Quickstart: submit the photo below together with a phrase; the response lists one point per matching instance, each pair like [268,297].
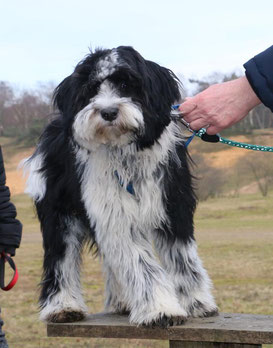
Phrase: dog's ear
[69,96]
[163,84]
[162,90]
[62,94]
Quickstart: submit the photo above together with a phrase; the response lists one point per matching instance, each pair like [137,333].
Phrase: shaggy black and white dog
[111,168]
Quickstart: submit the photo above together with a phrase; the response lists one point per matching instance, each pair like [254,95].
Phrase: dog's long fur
[113,131]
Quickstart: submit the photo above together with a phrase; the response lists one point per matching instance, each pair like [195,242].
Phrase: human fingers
[187,107]
[198,124]
[211,130]
[191,116]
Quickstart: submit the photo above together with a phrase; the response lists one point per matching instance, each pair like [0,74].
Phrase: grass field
[235,239]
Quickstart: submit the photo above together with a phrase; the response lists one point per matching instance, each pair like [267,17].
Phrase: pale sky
[44,40]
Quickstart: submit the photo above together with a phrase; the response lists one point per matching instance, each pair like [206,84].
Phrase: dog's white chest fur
[107,172]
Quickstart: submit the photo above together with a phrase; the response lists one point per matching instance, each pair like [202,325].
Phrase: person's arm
[259,72]
[10,227]
[222,105]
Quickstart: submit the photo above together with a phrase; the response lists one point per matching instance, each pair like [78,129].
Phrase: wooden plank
[183,344]
[229,328]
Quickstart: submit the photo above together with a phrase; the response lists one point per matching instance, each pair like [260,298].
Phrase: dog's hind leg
[192,283]
[61,296]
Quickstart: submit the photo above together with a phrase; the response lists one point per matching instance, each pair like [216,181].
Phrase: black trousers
[3,342]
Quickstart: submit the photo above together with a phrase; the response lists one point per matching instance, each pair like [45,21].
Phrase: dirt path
[15,179]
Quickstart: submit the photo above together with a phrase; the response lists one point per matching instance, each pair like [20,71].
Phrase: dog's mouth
[113,133]
[123,129]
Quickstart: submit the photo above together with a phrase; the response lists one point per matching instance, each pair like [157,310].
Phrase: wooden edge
[230,328]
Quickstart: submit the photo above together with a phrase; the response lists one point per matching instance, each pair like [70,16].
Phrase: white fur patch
[36,182]
[107,66]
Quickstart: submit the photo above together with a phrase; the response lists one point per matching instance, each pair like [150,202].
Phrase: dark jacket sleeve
[259,72]
[10,227]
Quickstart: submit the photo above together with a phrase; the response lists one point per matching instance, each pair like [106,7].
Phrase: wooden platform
[235,330]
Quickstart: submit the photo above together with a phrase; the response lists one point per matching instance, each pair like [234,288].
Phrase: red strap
[14,279]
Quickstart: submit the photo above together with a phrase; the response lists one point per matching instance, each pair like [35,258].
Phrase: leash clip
[178,116]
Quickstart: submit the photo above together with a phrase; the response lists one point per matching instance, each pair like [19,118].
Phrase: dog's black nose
[109,114]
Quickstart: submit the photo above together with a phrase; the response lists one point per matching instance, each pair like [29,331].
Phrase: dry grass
[235,238]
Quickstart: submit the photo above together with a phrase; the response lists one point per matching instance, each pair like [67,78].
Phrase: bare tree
[6,99]
[29,107]
[260,165]
[209,180]
[24,113]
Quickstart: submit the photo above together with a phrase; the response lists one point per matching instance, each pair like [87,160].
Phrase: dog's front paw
[164,321]
[65,316]
[59,311]
[199,309]
[159,319]
[118,308]
[209,313]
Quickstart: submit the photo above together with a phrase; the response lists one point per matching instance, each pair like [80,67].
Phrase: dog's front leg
[61,296]
[146,291]
[113,292]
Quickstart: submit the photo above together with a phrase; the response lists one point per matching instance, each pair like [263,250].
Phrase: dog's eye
[123,85]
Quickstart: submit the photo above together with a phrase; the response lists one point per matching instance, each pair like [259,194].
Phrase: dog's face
[116,97]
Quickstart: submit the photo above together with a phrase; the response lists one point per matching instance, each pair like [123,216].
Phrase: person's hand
[5,254]
[220,105]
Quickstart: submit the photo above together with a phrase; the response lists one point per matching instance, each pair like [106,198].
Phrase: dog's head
[116,97]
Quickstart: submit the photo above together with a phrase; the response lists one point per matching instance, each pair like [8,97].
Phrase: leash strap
[187,143]
[246,146]
[202,134]
[14,279]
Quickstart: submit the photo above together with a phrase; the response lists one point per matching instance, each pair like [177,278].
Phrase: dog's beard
[90,129]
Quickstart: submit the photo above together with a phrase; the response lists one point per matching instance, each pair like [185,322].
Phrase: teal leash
[216,137]
[238,144]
